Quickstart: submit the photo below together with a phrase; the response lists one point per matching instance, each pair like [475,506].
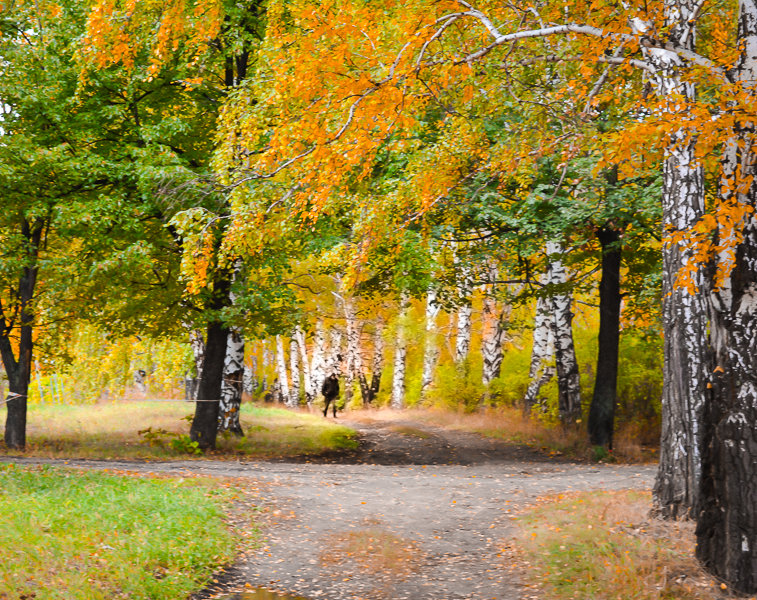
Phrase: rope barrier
[12,396]
[166,400]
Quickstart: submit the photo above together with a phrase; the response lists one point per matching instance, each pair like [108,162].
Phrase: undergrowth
[604,546]
[159,430]
[512,425]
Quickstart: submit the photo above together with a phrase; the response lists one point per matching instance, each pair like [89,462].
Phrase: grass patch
[604,546]
[92,536]
[111,431]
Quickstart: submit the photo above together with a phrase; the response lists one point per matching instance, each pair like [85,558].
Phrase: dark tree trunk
[19,370]
[727,515]
[365,389]
[205,423]
[727,507]
[602,410]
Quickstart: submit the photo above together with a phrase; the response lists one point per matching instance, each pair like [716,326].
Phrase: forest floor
[418,511]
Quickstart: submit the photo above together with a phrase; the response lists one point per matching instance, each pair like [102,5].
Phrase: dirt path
[417,512]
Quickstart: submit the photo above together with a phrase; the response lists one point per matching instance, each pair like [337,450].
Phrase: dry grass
[511,425]
[372,550]
[112,431]
[604,546]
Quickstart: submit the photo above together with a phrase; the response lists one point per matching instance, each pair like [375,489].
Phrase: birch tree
[294,368]
[684,313]
[400,355]
[430,348]
[318,366]
[541,369]
[493,337]
[281,371]
[566,365]
[377,364]
[309,385]
[232,386]
[353,361]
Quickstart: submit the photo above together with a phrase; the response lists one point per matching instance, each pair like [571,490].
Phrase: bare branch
[639,64]
[450,20]
[602,80]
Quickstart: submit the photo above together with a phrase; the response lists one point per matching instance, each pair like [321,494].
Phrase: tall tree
[430,348]
[602,409]
[566,365]
[400,356]
[727,515]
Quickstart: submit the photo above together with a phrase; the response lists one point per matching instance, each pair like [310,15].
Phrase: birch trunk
[542,353]
[266,364]
[727,516]
[493,332]
[493,338]
[293,400]
[354,360]
[249,382]
[197,345]
[318,364]
[462,342]
[377,363]
[566,365]
[431,348]
[684,315]
[281,371]
[309,386]
[400,353]
[335,356]
[231,387]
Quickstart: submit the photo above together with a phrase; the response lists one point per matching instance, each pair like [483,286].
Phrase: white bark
[231,385]
[281,371]
[378,360]
[310,387]
[293,399]
[684,314]
[464,322]
[335,354]
[318,372]
[494,334]
[354,360]
[542,352]
[197,344]
[566,365]
[400,353]
[266,363]
[249,381]
[431,348]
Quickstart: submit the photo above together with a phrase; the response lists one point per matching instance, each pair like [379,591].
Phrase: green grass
[604,546]
[90,536]
[112,431]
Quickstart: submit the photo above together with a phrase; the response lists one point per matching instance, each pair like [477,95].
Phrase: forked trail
[418,512]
